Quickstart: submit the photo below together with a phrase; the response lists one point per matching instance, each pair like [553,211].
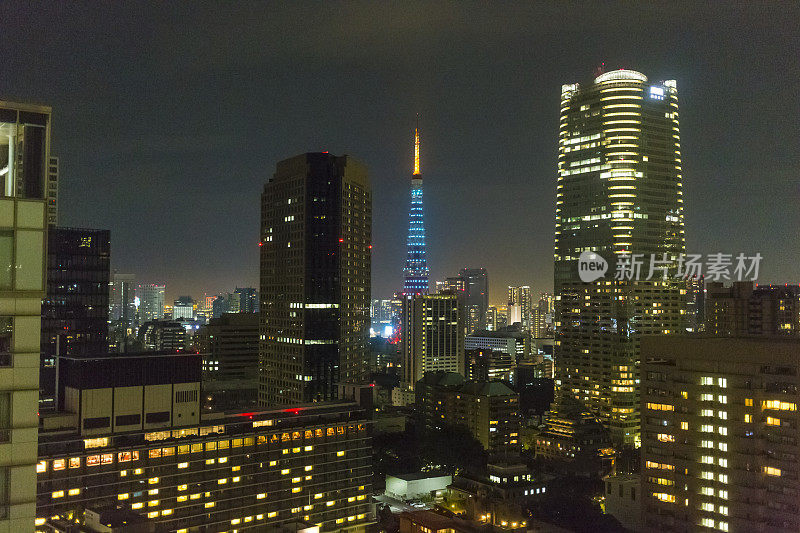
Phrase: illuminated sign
[657,93]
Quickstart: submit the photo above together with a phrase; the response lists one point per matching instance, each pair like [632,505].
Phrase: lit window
[748,418]
[152,492]
[684,426]
[309,468]
[152,514]
[768,470]
[123,496]
[152,480]
[183,465]
[41,466]
[152,503]
[297,489]
[748,402]
[58,494]
[182,487]
[317,496]
[166,512]
[223,459]
[771,421]
[59,464]
[137,505]
[273,514]
[208,505]
[339,454]
[261,496]
[182,498]
[285,471]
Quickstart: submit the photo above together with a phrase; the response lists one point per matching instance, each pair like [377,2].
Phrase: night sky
[169,118]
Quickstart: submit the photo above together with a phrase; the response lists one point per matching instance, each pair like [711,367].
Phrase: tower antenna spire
[416,148]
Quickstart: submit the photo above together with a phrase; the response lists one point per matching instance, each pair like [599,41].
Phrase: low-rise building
[134,439]
[490,410]
[416,485]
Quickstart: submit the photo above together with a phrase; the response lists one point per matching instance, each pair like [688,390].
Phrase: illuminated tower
[416,270]
[619,192]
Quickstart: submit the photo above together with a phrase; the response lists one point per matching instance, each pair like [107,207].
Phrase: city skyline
[488,118]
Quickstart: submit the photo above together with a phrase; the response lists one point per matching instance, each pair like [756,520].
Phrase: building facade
[161,460]
[619,193]
[183,308]
[75,308]
[229,347]
[316,219]
[744,308]
[151,301]
[24,154]
[248,299]
[490,410]
[121,309]
[432,336]
[720,434]
[519,298]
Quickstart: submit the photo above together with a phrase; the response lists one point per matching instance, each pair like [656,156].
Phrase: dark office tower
[416,270]
[75,307]
[316,217]
[229,347]
[248,299]
[619,193]
[121,310]
[476,298]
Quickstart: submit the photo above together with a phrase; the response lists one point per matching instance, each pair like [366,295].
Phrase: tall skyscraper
[248,299]
[521,297]
[416,270]
[619,192]
[75,307]
[24,154]
[151,301]
[476,298]
[432,337]
[316,219]
[121,309]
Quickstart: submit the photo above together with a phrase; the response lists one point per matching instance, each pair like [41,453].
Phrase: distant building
[490,410]
[183,308]
[432,336]
[381,317]
[229,347]
[743,309]
[75,308]
[151,301]
[512,341]
[316,220]
[520,299]
[720,433]
[418,485]
[248,299]
[122,309]
[163,335]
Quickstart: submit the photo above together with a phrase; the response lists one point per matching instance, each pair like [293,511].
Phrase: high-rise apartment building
[619,193]
[520,299]
[316,218]
[720,434]
[416,269]
[75,307]
[432,337]
[745,309]
[24,155]
[151,301]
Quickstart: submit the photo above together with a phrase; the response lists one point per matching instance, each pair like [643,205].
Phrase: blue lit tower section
[416,270]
